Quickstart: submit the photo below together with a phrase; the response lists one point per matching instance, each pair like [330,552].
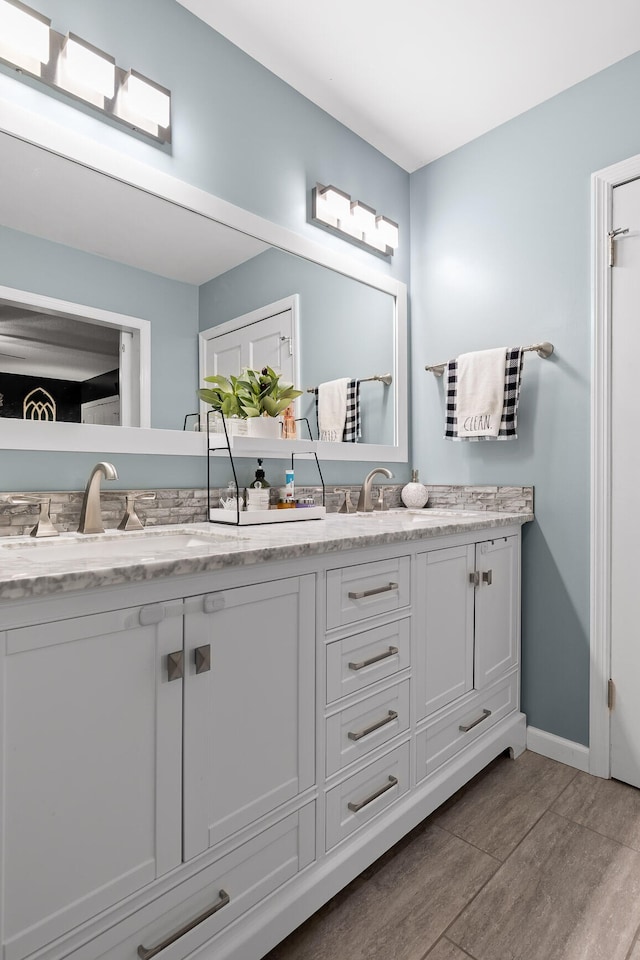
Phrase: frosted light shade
[145,100]
[23,34]
[333,205]
[387,230]
[88,67]
[363,217]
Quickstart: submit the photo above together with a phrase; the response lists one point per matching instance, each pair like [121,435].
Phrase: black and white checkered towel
[353,424]
[512,380]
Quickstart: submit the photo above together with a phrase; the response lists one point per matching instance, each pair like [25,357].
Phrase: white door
[91,755]
[245,755]
[496,612]
[260,339]
[625,476]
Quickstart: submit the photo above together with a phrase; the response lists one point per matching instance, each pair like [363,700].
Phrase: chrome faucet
[91,514]
[364,500]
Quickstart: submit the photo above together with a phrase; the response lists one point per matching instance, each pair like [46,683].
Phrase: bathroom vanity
[205,739]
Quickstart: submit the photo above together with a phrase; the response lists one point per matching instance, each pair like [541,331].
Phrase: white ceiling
[418,78]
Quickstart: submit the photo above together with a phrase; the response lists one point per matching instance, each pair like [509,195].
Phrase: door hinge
[611,694]
[612,250]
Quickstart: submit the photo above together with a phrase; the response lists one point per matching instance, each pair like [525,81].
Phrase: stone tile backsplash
[176,506]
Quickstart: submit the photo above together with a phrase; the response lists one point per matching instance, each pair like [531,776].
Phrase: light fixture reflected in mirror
[336,209]
[77,68]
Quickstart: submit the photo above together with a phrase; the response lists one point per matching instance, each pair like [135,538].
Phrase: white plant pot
[266,428]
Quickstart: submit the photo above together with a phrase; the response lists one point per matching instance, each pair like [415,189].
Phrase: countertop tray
[252,517]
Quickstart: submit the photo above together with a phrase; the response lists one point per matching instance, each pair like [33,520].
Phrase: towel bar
[543,349]
[385,378]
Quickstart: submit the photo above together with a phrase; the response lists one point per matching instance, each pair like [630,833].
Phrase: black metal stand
[227,447]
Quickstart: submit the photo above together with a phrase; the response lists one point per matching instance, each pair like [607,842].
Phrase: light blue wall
[238,132]
[500,255]
[346,327]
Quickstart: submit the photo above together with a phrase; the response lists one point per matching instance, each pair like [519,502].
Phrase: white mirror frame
[19,122]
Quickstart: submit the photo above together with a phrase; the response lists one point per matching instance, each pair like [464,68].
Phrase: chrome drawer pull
[391,715]
[474,723]
[487,577]
[355,807]
[145,953]
[360,664]
[175,665]
[359,594]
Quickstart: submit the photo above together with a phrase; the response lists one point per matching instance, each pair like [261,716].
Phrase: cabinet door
[92,767]
[497,609]
[249,711]
[444,627]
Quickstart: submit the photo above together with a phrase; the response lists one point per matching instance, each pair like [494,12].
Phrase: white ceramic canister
[414,495]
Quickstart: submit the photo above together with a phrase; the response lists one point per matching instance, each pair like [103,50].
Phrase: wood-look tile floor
[532,860]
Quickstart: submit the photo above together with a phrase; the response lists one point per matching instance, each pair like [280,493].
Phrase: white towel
[480,393]
[332,408]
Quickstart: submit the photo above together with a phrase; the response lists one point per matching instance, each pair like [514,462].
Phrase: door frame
[602,185]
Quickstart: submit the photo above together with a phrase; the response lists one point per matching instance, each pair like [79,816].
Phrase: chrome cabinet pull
[145,953]
[202,657]
[465,727]
[391,715]
[355,807]
[175,665]
[360,664]
[487,577]
[359,594]
[474,578]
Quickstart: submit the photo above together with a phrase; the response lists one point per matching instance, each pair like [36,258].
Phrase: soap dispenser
[414,495]
[260,481]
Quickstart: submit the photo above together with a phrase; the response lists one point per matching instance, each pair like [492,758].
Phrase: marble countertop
[71,562]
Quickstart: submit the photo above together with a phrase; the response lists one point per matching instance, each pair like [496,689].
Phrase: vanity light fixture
[77,68]
[24,37]
[336,209]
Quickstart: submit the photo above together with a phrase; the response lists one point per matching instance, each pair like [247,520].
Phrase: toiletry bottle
[260,479]
[289,424]
[289,485]
[414,494]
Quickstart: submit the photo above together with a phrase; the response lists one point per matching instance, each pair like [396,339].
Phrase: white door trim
[602,184]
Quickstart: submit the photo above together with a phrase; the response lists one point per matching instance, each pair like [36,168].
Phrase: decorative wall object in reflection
[80,70]
[39,405]
[337,210]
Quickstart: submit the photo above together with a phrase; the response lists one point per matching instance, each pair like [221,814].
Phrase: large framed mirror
[99,247]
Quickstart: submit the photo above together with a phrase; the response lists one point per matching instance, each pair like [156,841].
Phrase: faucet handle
[131,520]
[44,527]
[347,506]
[380,504]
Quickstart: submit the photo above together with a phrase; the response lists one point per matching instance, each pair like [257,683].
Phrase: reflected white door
[625,477]
[265,342]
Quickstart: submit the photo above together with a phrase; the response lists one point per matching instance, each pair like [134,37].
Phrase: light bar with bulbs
[82,71]
[334,208]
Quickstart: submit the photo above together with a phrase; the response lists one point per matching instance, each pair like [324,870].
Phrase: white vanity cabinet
[136,739]
[198,773]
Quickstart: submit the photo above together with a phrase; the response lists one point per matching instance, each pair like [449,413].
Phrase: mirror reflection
[70,232]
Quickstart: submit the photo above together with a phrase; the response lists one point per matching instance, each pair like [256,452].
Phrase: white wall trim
[557,748]
[602,184]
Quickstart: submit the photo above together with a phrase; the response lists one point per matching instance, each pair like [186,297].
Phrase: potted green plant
[256,396]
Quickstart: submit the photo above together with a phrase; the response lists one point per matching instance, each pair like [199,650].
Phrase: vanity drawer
[367,589]
[355,801]
[360,660]
[228,888]
[357,730]
[447,736]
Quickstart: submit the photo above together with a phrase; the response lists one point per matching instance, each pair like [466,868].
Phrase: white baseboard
[557,748]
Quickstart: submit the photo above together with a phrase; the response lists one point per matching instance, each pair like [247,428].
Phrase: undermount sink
[145,546]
